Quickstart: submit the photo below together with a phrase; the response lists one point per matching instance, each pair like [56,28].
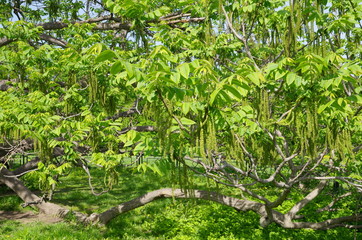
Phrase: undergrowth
[162,219]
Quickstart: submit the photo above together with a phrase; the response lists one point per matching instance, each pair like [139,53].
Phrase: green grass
[13,230]
[162,219]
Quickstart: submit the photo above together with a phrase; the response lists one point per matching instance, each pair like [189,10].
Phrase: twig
[77,114]
[32,202]
[240,37]
[21,174]
[53,40]
[328,207]
[182,127]
[86,169]
[307,164]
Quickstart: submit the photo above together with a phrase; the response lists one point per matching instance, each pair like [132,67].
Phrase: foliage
[251,94]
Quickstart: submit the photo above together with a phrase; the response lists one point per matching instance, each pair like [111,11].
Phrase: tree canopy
[256,95]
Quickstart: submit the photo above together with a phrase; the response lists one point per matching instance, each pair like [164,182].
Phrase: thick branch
[351,181]
[28,197]
[61,25]
[31,165]
[280,200]
[137,129]
[6,84]
[113,26]
[53,40]
[186,20]
[174,16]
[313,194]
[6,41]
[240,205]
[356,149]
[331,223]
[237,204]
[127,113]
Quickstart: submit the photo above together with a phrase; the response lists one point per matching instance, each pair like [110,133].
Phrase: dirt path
[27,217]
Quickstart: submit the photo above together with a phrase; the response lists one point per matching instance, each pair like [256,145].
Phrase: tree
[260,96]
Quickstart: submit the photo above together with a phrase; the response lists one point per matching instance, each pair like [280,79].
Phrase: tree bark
[31,165]
[10,180]
[240,205]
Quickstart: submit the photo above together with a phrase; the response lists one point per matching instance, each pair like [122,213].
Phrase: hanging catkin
[211,144]
[343,143]
[262,105]
[93,87]
[311,131]
[202,144]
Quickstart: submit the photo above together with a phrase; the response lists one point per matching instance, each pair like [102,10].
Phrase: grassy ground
[162,219]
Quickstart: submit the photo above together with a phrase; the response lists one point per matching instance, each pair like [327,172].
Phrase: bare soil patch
[28,217]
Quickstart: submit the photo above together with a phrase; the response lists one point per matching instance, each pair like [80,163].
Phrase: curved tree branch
[6,41]
[237,204]
[240,205]
[137,129]
[53,40]
[28,197]
[29,166]
[297,207]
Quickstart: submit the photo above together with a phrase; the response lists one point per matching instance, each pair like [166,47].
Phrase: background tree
[260,96]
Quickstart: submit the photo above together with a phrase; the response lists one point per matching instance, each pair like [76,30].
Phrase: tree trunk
[10,180]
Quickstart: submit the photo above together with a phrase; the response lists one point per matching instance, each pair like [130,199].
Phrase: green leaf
[214,95]
[41,165]
[187,121]
[271,66]
[51,181]
[117,8]
[233,91]
[254,78]
[225,96]
[116,67]
[180,93]
[291,78]
[298,81]
[324,106]
[184,69]
[129,69]
[86,112]
[355,98]
[105,55]
[175,77]
[340,101]
[186,107]
[280,74]
[57,131]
